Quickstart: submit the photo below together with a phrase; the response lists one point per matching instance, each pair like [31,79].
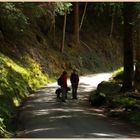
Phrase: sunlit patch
[61,117]
[28,106]
[40,129]
[40,112]
[107,135]
[93,113]
[90,81]
[66,110]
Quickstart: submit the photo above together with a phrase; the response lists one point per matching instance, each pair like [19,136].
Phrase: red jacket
[64,81]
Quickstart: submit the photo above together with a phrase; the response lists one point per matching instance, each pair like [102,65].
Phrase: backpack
[60,81]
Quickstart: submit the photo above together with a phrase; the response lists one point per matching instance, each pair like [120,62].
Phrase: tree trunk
[64,29]
[128,47]
[112,22]
[137,46]
[83,16]
[54,28]
[76,23]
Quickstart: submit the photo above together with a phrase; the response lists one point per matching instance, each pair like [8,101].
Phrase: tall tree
[63,8]
[64,29]
[128,12]
[137,44]
[112,21]
[76,23]
[81,23]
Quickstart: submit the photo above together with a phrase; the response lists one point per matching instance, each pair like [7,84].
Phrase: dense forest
[40,40]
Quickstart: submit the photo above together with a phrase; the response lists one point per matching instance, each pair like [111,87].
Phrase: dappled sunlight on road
[90,82]
[44,116]
[107,135]
[95,79]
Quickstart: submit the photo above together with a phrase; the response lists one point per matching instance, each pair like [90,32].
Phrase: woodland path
[43,116]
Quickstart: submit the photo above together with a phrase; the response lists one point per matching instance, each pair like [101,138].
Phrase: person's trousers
[64,93]
[74,91]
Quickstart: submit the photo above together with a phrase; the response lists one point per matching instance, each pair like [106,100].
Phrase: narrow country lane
[43,116]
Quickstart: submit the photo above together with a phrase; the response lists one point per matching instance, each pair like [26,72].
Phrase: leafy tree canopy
[61,7]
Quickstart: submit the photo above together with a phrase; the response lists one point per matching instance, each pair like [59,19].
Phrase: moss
[118,74]
[123,102]
[107,86]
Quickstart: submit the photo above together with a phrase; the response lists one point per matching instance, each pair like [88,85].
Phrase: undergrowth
[16,81]
[119,104]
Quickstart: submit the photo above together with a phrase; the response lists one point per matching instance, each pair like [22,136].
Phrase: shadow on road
[44,116]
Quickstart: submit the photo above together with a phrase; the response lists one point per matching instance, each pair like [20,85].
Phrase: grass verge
[17,80]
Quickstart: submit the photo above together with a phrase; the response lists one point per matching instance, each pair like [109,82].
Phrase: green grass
[16,78]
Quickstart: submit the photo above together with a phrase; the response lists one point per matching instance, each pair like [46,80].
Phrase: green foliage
[62,7]
[137,6]
[118,74]
[120,101]
[106,88]
[100,8]
[7,112]
[15,81]
[12,19]
[112,91]
[3,132]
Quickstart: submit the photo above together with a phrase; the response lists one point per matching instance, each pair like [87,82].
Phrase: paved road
[43,116]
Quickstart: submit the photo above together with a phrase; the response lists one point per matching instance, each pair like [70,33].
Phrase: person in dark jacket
[74,78]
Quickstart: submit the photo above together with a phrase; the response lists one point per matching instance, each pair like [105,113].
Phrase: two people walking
[62,81]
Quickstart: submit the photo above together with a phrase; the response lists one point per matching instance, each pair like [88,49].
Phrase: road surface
[43,116]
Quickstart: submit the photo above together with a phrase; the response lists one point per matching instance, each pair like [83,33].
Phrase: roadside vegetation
[118,104]
[18,80]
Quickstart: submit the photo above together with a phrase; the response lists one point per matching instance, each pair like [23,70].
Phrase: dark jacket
[74,78]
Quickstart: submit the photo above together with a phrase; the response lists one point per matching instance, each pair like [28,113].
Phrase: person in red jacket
[74,78]
[64,86]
